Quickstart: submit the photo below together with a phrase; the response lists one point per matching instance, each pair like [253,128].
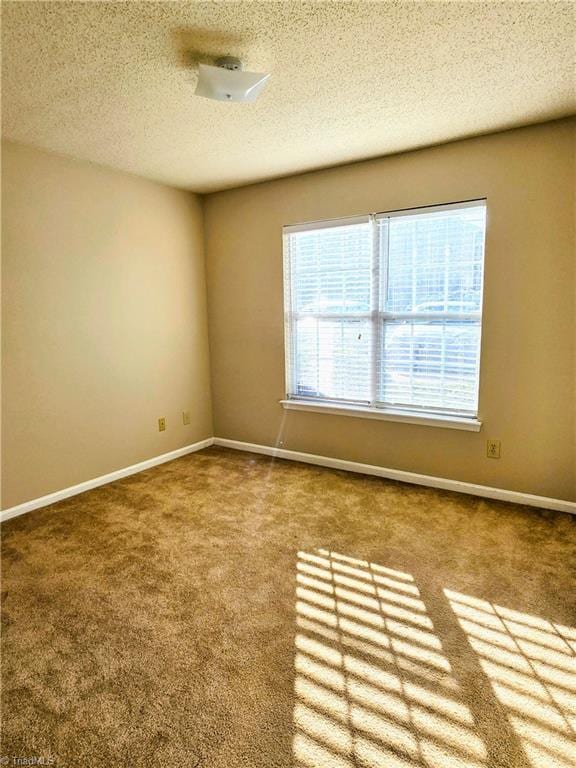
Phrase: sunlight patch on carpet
[373,685]
[531,664]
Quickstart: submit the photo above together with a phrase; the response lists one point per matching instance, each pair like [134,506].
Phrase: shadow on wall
[374,686]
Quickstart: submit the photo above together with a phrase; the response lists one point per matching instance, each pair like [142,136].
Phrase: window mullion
[374,309]
[382,256]
[374,283]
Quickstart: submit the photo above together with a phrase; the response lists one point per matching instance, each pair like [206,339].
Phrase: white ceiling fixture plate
[228,82]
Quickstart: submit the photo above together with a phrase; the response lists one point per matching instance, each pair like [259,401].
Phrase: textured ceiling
[113,82]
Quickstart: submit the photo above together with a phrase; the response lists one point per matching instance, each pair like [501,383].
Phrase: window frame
[428,415]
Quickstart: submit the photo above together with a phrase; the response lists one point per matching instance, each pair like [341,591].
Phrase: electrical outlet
[161,424]
[186,417]
[493,449]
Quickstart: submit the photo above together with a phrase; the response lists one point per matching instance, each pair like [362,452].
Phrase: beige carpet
[230,610]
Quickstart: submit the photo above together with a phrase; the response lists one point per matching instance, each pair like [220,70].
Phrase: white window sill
[364,412]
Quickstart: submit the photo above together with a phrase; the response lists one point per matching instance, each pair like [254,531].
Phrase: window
[383,312]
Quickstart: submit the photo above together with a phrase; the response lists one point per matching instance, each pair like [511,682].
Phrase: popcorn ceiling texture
[113,82]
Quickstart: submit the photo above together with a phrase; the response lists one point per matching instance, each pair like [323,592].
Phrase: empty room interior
[288,384]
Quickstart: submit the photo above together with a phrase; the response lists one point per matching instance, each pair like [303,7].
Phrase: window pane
[332,358]
[331,269]
[430,364]
[435,261]
[423,299]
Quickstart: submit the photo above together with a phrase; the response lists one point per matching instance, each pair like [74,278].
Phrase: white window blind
[385,310]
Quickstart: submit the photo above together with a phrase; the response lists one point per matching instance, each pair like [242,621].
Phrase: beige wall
[104,322]
[527,389]
[104,317]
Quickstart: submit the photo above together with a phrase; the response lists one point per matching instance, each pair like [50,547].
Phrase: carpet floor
[228,610]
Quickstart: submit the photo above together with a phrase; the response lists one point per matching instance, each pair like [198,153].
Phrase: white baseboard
[73,490]
[406,477]
[307,458]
